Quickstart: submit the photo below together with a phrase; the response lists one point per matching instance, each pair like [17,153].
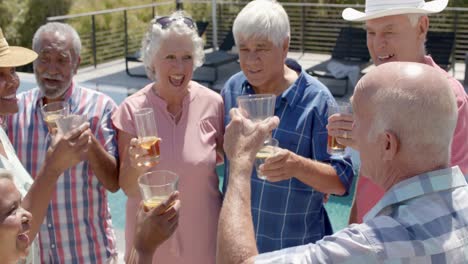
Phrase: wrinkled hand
[281,166]
[155,226]
[341,127]
[243,138]
[139,156]
[68,150]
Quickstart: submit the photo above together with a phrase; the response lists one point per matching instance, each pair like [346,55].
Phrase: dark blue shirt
[290,213]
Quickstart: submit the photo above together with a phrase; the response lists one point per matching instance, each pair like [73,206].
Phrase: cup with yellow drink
[51,112]
[155,188]
[147,134]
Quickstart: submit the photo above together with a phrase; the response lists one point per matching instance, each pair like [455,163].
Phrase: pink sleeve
[122,118]
[367,195]
[220,133]
[460,143]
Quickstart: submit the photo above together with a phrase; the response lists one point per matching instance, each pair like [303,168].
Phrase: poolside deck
[112,75]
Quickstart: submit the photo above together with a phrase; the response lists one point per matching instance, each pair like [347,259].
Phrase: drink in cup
[157,186]
[333,147]
[269,149]
[147,134]
[52,112]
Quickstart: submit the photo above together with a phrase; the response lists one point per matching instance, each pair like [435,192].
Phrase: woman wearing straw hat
[17,243]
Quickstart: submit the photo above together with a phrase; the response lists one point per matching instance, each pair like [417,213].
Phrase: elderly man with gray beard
[77,227]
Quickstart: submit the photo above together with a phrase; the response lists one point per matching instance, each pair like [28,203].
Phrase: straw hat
[381,8]
[14,56]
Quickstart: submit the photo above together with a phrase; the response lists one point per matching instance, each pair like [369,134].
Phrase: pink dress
[188,149]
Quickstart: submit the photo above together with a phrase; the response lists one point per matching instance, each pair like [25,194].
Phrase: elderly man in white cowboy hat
[396,31]
[423,216]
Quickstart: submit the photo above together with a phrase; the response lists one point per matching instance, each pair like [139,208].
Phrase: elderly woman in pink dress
[189,120]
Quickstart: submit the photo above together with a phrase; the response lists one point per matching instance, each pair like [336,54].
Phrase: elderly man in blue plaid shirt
[404,117]
[287,208]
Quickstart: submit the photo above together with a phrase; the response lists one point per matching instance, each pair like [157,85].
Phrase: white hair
[423,114]
[61,28]
[414,18]
[156,35]
[264,19]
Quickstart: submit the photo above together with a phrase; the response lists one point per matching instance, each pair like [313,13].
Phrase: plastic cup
[147,134]
[70,122]
[270,147]
[257,107]
[53,111]
[333,147]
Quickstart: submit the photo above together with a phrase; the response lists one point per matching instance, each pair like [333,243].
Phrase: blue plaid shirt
[291,213]
[423,219]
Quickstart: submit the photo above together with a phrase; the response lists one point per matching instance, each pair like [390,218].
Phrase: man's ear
[285,47]
[423,27]
[390,144]
[77,65]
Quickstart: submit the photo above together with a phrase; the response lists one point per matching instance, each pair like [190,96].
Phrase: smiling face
[14,223]
[173,63]
[261,61]
[56,64]
[393,38]
[9,83]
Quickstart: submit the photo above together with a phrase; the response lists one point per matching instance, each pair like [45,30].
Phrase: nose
[26,218]
[252,57]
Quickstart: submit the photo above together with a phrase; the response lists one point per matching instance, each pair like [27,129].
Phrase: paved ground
[112,75]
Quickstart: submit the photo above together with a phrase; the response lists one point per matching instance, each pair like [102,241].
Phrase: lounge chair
[215,59]
[350,50]
[440,45]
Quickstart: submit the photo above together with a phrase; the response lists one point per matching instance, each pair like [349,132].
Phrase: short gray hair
[264,19]
[423,114]
[156,34]
[63,29]
[414,18]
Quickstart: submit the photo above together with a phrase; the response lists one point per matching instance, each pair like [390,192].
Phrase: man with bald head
[405,115]
[396,31]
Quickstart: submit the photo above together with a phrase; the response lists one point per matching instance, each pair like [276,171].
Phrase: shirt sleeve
[349,245]
[342,165]
[122,118]
[105,132]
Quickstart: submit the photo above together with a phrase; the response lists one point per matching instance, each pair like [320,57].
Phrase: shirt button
[52,246]
[49,225]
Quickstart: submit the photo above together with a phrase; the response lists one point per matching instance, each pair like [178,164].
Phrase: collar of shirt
[430,182]
[67,96]
[291,95]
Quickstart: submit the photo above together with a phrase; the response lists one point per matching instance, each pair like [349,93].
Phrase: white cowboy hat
[381,8]
[12,56]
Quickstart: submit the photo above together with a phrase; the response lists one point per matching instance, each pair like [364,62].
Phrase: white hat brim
[436,6]
[17,56]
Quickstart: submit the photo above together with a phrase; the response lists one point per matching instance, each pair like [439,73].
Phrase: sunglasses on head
[166,21]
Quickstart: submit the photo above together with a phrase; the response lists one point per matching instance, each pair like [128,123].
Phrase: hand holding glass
[333,147]
[147,134]
[270,147]
[155,188]
[52,112]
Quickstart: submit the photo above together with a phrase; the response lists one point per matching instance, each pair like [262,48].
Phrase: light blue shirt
[423,219]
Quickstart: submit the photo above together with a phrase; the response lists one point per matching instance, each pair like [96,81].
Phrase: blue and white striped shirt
[291,213]
[423,219]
